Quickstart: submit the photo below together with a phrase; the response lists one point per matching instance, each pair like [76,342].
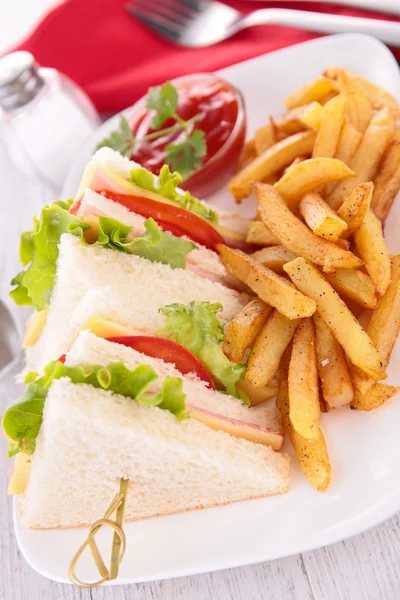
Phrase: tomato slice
[171,218]
[176,220]
[73,209]
[168,351]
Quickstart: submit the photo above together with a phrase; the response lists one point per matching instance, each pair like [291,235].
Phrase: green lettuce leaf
[27,244]
[166,186]
[22,420]
[197,328]
[20,293]
[39,249]
[12,449]
[155,244]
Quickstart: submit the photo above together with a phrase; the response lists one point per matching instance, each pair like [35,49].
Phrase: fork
[199,23]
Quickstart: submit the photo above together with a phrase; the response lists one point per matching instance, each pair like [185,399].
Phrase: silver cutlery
[199,23]
[384,6]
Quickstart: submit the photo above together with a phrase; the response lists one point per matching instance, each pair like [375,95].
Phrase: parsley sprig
[184,157]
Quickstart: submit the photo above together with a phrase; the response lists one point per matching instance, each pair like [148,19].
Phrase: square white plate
[364,447]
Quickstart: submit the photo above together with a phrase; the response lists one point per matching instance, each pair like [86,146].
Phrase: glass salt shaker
[44,118]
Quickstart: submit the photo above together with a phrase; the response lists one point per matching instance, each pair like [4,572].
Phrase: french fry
[359,108]
[264,138]
[296,161]
[384,324]
[387,182]
[354,307]
[271,179]
[378,96]
[248,153]
[313,115]
[268,349]
[345,244]
[308,175]
[242,331]
[372,248]
[258,233]
[274,257]
[323,405]
[328,97]
[270,287]
[377,395]
[355,285]
[311,454]
[308,116]
[349,140]
[320,218]
[330,127]
[270,161]
[258,395]
[304,411]
[345,327]
[355,206]
[296,236]
[291,122]
[332,72]
[310,92]
[366,159]
[383,327]
[333,371]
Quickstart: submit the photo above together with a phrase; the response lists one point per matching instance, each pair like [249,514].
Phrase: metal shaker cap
[20,80]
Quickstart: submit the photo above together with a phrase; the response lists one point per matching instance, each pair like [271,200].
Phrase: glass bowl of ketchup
[222,119]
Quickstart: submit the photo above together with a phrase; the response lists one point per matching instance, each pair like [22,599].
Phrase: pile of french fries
[321,330]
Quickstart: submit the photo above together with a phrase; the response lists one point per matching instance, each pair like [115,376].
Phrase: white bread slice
[140,288]
[261,423]
[90,438]
[202,259]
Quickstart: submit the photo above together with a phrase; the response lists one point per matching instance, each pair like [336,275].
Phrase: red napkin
[115,58]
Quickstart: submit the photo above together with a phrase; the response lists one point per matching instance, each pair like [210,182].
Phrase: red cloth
[115,58]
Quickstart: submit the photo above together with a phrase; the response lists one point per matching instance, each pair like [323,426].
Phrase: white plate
[364,447]
[384,6]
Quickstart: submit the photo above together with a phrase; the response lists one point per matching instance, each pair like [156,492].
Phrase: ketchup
[219,106]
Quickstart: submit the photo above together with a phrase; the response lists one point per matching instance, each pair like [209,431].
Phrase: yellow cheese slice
[34,327]
[20,477]
[104,328]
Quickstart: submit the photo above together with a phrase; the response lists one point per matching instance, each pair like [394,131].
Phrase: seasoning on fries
[325,175]
[296,236]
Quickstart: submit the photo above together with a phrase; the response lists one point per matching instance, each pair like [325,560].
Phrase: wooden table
[366,567]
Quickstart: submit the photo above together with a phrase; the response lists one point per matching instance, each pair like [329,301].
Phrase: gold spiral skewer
[118,543]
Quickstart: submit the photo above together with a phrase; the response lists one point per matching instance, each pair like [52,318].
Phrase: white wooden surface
[366,567]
